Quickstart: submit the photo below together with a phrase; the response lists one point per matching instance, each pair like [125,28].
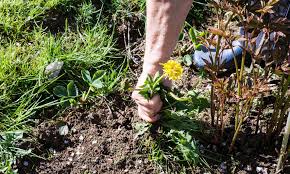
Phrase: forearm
[165,19]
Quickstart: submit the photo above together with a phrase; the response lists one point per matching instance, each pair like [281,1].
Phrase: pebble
[84,167]
[81,138]
[65,141]
[94,142]
[53,69]
[70,159]
[91,116]
[248,168]
[26,163]
[223,167]
[109,161]
[63,130]
[79,153]
[73,130]
[261,170]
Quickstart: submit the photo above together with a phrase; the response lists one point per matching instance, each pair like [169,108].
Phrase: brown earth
[100,140]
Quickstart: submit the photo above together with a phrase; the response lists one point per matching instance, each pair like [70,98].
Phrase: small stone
[65,141]
[109,161]
[63,130]
[79,153]
[73,130]
[126,170]
[53,69]
[223,167]
[248,168]
[91,116]
[70,159]
[72,154]
[26,163]
[81,138]
[94,142]
[84,166]
[261,170]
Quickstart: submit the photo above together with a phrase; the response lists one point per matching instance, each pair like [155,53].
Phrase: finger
[154,109]
[155,101]
[149,118]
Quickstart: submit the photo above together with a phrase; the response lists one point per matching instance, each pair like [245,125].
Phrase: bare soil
[100,140]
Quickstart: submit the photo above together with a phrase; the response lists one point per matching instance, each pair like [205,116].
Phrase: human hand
[148,109]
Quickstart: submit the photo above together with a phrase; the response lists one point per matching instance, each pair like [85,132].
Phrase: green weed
[28,47]
[174,143]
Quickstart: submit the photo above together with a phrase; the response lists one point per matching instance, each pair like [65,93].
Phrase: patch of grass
[128,9]
[17,15]
[26,50]
[24,63]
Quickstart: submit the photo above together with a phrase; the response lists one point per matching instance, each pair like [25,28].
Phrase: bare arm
[165,19]
[164,22]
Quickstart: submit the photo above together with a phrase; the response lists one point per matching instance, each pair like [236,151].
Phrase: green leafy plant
[9,151]
[70,92]
[95,83]
[151,86]
[194,34]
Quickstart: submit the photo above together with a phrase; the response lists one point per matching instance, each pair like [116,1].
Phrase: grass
[29,45]
[80,34]
[35,34]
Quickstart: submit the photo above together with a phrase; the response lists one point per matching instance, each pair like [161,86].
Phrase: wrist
[152,68]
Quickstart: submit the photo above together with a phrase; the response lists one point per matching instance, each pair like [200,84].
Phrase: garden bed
[79,129]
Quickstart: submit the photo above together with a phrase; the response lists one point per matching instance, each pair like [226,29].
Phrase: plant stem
[279,111]
[181,99]
[87,94]
[212,107]
[222,116]
[248,105]
[284,146]
[259,114]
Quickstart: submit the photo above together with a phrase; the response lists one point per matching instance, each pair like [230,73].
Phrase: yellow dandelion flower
[172,69]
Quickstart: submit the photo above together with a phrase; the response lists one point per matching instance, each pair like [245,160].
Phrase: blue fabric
[200,57]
